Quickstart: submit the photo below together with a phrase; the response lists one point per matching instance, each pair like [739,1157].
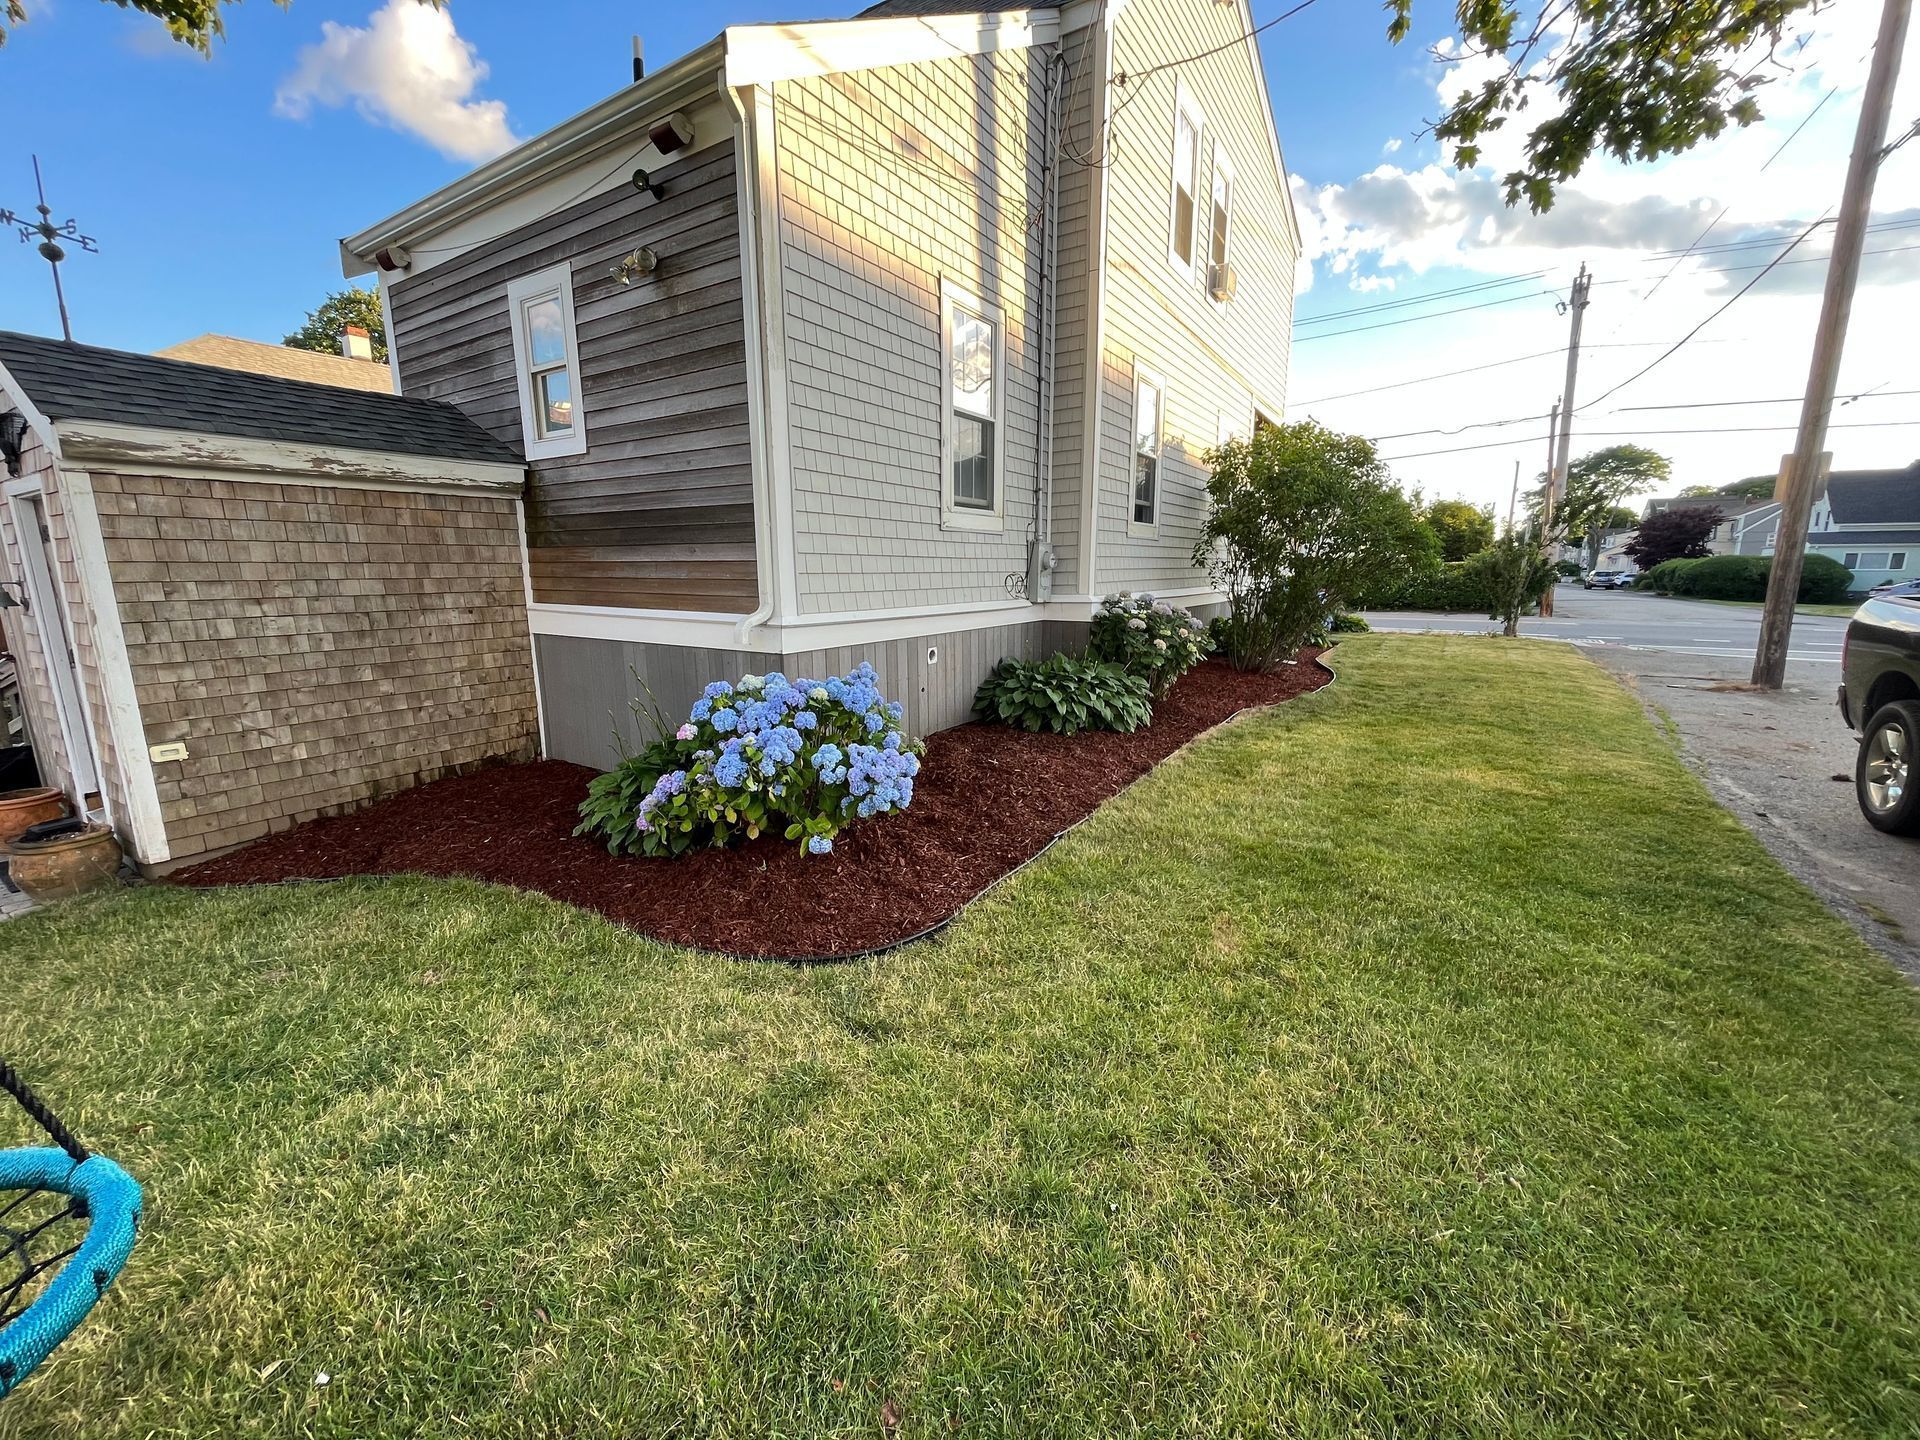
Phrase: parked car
[1609,580]
[1895,587]
[1880,697]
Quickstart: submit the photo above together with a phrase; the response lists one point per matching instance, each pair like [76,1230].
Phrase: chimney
[355,343]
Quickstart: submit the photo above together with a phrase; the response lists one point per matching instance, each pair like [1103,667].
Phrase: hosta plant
[1149,638]
[1065,694]
[806,757]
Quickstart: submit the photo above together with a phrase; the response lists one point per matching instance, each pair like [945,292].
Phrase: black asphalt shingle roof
[1876,497]
[1864,539]
[66,381]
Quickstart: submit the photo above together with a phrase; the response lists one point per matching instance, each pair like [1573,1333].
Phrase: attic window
[546,357]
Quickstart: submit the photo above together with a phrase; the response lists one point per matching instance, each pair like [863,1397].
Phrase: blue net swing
[67,1224]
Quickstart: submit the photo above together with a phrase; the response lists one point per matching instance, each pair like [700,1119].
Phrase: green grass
[1428,1057]
[1844,610]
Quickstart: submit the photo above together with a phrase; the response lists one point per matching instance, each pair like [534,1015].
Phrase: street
[1782,762]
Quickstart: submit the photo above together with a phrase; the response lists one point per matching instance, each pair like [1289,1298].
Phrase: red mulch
[987,799]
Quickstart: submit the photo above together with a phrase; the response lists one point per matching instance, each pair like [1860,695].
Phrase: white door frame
[27,500]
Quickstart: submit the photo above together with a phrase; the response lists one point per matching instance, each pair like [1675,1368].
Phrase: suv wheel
[1883,775]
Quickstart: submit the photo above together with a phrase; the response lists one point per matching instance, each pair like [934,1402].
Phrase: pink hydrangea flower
[685,732]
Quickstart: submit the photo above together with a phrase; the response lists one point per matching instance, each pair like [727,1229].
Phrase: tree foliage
[1697,492]
[1677,534]
[1301,518]
[1515,574]
[194,23]
[1636,79]
[1596,484]
[1754,487]
[1462,529]
[354,305]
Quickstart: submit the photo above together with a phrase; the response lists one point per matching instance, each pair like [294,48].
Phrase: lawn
[1844,609]
[1428,1056]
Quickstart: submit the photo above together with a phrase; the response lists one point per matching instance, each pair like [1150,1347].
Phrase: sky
[218,187]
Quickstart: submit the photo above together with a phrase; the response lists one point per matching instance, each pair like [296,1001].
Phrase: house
[241,601]
[1745,528]
[354,367]
[1869,520]
[901,338]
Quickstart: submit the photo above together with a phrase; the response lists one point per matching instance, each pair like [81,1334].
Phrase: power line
[1875,394]
[1436,315]
[1421,299]
[1490,365]
[1731,300]
[1703,430]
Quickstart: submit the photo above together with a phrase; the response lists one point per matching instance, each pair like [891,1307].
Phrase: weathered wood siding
[658,513]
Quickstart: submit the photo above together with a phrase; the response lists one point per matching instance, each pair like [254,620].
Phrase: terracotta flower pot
[21,808]
[65,865]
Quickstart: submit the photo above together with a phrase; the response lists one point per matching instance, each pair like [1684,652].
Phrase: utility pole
[1563,415]
[50,237]
[1843,270]
[1513,496]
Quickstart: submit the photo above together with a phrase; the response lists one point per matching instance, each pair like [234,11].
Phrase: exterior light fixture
[13,434]
[645,182]
[671,134]
[641,263]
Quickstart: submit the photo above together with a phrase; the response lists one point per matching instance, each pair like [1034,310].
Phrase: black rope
[42,1116]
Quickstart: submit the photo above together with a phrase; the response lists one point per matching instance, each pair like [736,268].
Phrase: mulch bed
[988,799]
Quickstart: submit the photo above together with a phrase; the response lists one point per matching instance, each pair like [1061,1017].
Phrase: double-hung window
[1222,216]
[547,360]
[973,336]
[1186,182]
[1149,417]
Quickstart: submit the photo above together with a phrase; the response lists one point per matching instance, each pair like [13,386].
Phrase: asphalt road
[1781,761]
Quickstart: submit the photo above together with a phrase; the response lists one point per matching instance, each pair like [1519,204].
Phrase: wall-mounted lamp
[10,601]
[645,182]
[637,265]
[13,436]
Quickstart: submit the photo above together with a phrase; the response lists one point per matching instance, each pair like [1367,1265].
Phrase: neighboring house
[1745,528]
[898,338]
[248,601]
[354,368]
[1869,520]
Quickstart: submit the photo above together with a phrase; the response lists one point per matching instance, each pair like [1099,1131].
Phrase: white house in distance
[898,338]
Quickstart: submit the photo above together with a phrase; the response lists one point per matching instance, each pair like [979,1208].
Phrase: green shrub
[1567,569]
[1823,580]
[612,807]
[1455,585]
[1065,694]
[1349,625]
[1149,638]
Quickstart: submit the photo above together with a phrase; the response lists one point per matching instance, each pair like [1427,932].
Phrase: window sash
[1149,417]
[547,359]
[1186,165]
[972,340]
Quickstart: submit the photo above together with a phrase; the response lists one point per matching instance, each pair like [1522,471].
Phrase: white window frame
[1897,560]
[1184,105]
[954,516]
[1222,166]
[1142,378]
[554,281]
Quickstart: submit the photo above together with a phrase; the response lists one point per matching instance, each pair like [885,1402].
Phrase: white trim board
[66,692]
[146,450]
[764,54]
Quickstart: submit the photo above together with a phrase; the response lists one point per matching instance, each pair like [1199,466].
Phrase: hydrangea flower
[717,690]
[819,845]
[702,708]
[724,719]
[685,732]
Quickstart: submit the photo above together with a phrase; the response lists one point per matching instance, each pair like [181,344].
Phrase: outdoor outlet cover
[175,750]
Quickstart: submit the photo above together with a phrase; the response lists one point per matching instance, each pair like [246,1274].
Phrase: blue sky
[217,201]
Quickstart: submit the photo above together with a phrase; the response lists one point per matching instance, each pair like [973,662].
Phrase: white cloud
[407,68]
[1391,146]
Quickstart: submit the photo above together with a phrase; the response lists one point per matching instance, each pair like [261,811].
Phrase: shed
[242,601]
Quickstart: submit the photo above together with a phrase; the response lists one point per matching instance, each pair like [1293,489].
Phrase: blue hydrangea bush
[1150,638]
[808,757]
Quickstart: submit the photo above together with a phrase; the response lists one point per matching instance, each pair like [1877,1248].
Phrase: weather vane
[50,237]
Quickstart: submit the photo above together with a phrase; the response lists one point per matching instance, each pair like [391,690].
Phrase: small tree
[1596,484]
[351,306]
[1677,534]
[1515,573]
[1462,529]
[1301,518]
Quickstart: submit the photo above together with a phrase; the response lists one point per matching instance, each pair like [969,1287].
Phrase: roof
[316,367]
[1875,497]
[895,9]
[1728,505]
[65,381]
[1859,539]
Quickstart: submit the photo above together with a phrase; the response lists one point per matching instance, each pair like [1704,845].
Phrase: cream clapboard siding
[1074,257]
[1213,358]
[891,180]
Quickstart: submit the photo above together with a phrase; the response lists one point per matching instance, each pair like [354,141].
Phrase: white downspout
[746,182]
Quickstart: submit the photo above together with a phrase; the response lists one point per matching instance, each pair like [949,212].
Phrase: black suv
[1880,697]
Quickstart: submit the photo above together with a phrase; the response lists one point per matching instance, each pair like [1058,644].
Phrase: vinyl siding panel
[658,513]
[1214,358]
[891,180]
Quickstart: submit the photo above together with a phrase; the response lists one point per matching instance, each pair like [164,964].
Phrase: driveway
[1782,762]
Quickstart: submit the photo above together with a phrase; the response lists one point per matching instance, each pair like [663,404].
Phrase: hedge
[1823,580]
[1454,586]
